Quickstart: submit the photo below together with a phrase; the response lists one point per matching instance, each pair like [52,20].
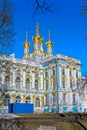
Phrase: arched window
[36,84]
[27,84]
[28,100]
[18,99]
[7,81]
[64,98]
[47,99]
[63,71]
[54,98]
[71,83]
[6,100]
[47,85]
[18,83]
[18,71]
[77,83]
[8,70]
[27,73]
[63,82]
[74,99]
[54,84]
[37,102]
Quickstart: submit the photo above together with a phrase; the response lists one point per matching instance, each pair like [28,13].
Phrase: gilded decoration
[60,65]
[18,95]
[49,44]
[8,74]
[67,67]
[18,75]
[37,38]
[64,92]
[77,70]
[37,78]
[37,97]
[74,68]
[2,95]
[53,93]
[65,103]
[42,97]
[71,62]
[33,96]
[63,76]
[53,68]
[26,44]
[24,97]
[53,76]
[78,79]
[14,95]
[46,78]
[71,77]
[46,93]
[8,94]
[28,77]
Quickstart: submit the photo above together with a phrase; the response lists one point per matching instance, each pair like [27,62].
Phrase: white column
[23,78]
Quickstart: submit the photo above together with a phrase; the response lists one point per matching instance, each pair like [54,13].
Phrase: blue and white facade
[50,82]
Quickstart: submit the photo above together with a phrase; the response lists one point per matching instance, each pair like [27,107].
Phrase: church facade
[50,82]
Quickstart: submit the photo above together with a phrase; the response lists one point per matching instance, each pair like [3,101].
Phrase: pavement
[7,116]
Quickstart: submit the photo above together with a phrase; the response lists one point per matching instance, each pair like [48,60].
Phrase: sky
[68,29]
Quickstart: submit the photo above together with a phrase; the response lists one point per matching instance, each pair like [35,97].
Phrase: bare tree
[83,9]
[43,7]
[6,27]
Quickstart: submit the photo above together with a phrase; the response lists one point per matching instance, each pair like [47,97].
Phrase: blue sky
[68,29]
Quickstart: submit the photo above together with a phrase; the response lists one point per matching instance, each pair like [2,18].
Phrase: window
[53,71]
[18,83]
[63,71]
[18,71]
[36,74]
[76,74]
[77,83]
[64,98]
[27,73]
[27,84]
[18,99]
[71,83]
[37,102]
[7,70]
[47,99]
[54,84]
[54,98]
[70,74]
[74,99]
[63,82]
[46,74]
[47,85]
[7,81]
[28,100]
[36,84]
[6,100]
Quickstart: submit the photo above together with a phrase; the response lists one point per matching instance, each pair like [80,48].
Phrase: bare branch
[43,7]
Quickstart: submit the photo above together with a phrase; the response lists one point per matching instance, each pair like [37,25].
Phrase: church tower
[37,39]
[26,48]
[49,45]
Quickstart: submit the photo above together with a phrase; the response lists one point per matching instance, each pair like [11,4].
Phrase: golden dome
[49,44]
[26,44]
[37,38]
